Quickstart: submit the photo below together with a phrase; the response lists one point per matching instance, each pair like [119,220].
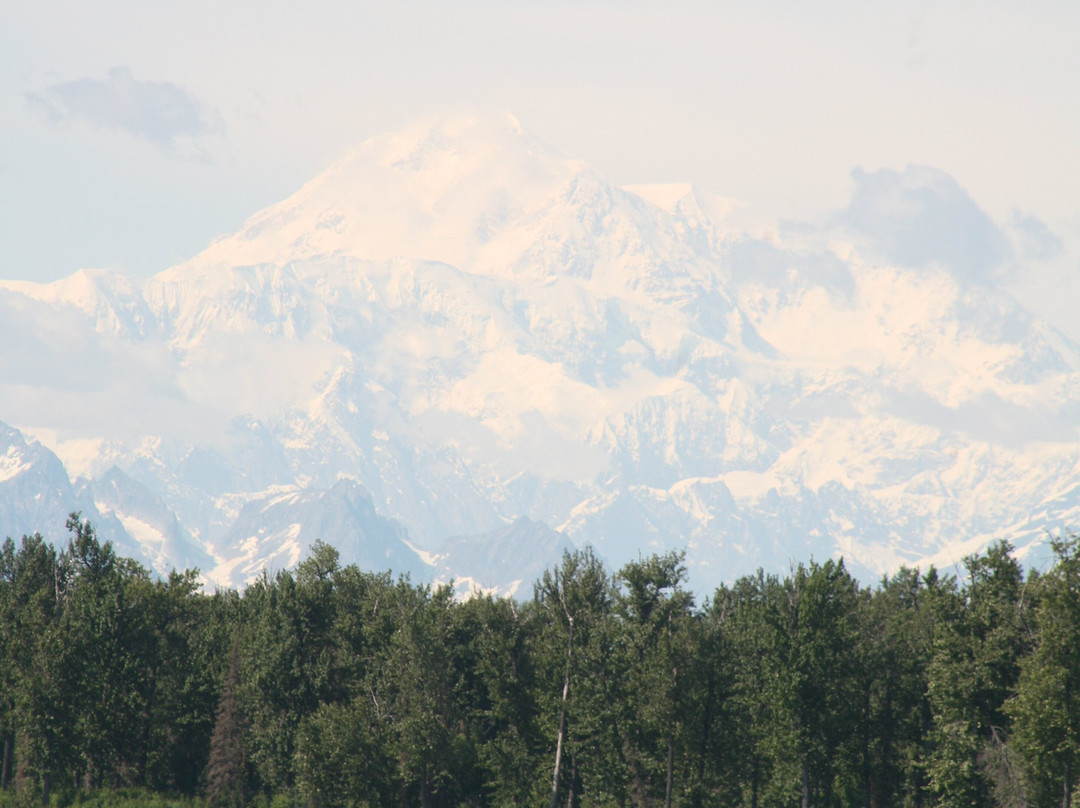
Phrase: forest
[332,686]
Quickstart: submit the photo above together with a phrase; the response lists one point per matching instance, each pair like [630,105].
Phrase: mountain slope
[36,496]
[477,330]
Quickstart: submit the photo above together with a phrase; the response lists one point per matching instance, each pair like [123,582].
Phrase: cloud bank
[921,216]
[1037,241]
[159,112]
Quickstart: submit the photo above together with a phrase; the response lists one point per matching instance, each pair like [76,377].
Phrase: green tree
[435,749]
[658,619]
[895,647]
[343,757]
[574,600]
[809,634]
[707,707]
[291,662]
[758,754]
[226,769]
[36,695]
[821,615]
[110,651]
[1046,710]
[980,637]
[499,678]
[192,642]
[8,666]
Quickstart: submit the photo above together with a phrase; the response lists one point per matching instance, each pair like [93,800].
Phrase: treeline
[330,686]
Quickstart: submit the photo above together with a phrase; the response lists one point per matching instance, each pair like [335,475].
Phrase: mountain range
[455,353]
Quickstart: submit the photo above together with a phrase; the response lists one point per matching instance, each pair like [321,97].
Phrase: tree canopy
[335,686]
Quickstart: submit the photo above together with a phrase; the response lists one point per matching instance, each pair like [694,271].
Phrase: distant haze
[131,135]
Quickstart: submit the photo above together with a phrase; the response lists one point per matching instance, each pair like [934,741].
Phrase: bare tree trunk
[562,717]
[558,745]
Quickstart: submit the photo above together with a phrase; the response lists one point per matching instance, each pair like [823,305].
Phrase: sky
[133,133]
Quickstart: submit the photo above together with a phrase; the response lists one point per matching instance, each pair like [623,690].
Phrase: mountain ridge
[476,330]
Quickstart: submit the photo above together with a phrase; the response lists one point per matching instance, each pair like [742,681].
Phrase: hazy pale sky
[132,133]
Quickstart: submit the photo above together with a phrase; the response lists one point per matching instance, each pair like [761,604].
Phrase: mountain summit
[453,329]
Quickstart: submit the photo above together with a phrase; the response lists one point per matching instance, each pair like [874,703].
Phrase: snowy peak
[507,560]
[274,532]
[111,302]
[36,496]
[435,192]
[163,542]
[473,192]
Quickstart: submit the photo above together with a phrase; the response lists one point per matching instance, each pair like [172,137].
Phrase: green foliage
[1046,707]
[107,798]
[332,686]
[657,624]
[980,637]
[895,647]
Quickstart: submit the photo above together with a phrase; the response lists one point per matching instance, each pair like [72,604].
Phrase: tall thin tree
[225,770]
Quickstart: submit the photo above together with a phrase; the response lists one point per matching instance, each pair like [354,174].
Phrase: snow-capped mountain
[454,328]
[275,533]
[524,548]
[36,496]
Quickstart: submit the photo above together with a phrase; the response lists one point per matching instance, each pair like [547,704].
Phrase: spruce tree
[225,769]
